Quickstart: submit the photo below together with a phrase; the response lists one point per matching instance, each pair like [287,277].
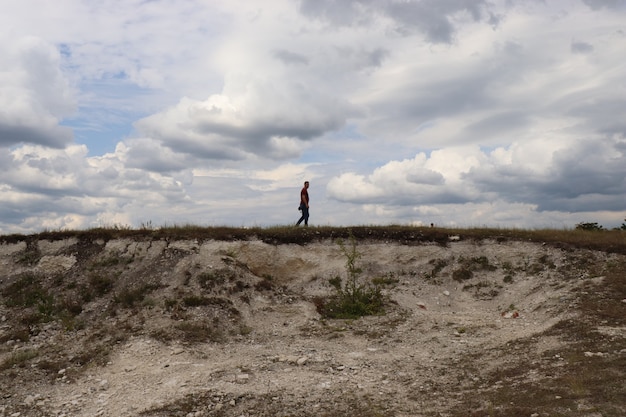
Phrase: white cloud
[255,117]
[34,94]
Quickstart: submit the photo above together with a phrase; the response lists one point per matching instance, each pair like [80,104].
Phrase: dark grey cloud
[290,58]
[499,122]
[601,114]
[152,156]
[581,47]
[588,176]
[53,136]
[605,4]
[377,56]
[434,18]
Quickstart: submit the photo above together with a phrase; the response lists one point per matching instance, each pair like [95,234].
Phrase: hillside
[228,323]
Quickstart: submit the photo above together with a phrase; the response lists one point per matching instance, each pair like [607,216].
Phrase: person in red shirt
[304,205]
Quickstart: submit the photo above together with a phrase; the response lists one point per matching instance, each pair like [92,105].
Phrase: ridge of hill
[227,323]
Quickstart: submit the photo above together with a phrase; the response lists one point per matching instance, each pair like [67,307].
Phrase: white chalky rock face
[56,264]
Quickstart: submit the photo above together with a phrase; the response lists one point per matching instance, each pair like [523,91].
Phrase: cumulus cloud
[584,176]
[74,190]
[258,118]
[34,94]
[422,180]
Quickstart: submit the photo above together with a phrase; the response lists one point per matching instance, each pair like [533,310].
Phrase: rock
[446,293]
[289,359]
[302,361]
[510,314]
[104,385]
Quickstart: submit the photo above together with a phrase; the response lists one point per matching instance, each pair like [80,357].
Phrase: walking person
[304,204]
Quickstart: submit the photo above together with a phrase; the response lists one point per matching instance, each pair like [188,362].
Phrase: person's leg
[305,214]
[300,219]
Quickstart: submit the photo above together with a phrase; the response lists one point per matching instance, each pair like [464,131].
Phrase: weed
[18,358]
[199,332]
[387,280]
[265,284]
[129,297]
[352,299]
[101,284]
[462,274]
[438,266]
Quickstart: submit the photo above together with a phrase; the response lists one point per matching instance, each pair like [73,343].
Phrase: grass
[605,240]
[19,358]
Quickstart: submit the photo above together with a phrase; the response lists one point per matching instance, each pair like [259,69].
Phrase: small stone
[302,361]
[104,385]
[232,402]
[61,371]
[446,293]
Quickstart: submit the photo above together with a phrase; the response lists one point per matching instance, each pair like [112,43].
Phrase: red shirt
[304,197]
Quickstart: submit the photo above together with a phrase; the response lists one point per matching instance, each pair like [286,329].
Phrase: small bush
[101,285]
[18,358]
[589,226]
[199,332]
[462,274]
[353,299]
[129,297]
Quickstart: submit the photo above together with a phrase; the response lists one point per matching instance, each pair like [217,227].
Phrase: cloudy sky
[468,113]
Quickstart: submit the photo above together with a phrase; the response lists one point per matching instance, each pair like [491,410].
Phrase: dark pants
[305,216]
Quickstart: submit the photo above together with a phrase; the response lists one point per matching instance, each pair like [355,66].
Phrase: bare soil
[151,327]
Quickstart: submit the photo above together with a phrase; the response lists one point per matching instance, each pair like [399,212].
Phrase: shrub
[589,226]
[353,299]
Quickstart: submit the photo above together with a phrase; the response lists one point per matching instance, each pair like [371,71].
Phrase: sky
[459,113]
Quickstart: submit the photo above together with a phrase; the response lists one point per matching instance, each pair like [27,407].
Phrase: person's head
[306,184]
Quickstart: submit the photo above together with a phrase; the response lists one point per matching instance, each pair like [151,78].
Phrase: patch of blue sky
[99,138]
[107,109]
